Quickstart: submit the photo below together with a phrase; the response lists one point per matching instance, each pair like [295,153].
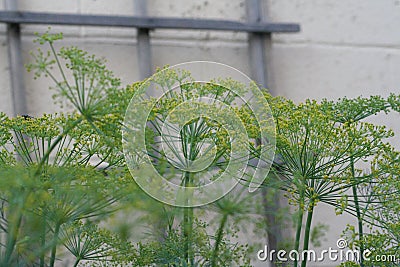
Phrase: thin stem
[188,226]
[357,207]
[70,96]
[218,240]
[21,148]
[189,142]
[14,226]
[307,231]
[55,143]
[54,248]
[59,64]
[298,232]
[299,216]
[12,240]
[42,241]
[77,262]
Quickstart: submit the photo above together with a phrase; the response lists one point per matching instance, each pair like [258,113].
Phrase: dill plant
[63,175]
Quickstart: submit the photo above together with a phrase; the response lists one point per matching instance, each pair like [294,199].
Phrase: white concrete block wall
[5,93]
[355,22]
[330,71]
[345,48]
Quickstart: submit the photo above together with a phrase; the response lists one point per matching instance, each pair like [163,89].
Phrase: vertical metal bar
[257,44]
[143,43]
[15,62]
[258,69]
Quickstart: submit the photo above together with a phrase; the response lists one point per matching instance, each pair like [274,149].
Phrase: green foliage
[63,176]
[384,239]
[317,233]
[319,146]
[53,192]
[169,252]
[64,180]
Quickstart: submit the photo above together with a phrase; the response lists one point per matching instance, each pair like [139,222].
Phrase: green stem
[77,262]
[307,231]
[358,212]
[12,240]
[55,143]
[188,232]
[189,144]
[42,242]
[299,222]
[218,240]
[298,232]
[15,225]
[188,226]
[54,248]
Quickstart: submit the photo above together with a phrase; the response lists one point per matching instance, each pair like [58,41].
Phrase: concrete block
[5,91]
[105,7]
[171,53]
[70,6]
[233,10]
[361,22]
[321,71]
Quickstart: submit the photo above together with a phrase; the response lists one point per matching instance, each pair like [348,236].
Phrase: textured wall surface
[345,48]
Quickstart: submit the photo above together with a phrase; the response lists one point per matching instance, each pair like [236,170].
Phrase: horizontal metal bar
[150,23]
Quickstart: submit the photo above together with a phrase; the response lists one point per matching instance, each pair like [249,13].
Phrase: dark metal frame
[259,35]
[149,23]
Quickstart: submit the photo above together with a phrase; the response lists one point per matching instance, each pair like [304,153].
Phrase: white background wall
[346,48]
